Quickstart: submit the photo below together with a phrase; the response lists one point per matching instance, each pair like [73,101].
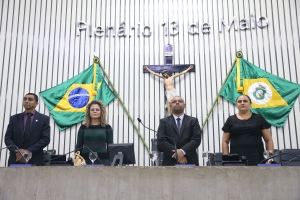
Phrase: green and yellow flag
[67,101]
[272,97]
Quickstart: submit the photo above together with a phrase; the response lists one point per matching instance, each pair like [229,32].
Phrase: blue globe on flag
[79,97]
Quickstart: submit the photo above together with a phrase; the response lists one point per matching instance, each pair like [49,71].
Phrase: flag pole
[218,96]
[125,109]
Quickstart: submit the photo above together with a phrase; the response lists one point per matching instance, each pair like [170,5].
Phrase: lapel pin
[36,120]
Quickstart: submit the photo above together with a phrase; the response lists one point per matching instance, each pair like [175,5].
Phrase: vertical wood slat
[38,40]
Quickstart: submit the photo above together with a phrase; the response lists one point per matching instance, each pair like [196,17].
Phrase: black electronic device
[230,157]
[60,160]
[121,154]
[233,160]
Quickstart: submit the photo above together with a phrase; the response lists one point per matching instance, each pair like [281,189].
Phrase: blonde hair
[87,120]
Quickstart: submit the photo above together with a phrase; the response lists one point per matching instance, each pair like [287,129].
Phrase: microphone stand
[157,134]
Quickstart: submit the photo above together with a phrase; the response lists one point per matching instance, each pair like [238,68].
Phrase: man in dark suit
[186,132]
[30,132]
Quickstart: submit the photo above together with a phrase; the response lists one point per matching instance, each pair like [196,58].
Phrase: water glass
[154,158]
[268,154]
[93,156]
[206,157]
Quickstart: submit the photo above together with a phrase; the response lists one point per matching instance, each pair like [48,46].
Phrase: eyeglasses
[240,101]
[95,109]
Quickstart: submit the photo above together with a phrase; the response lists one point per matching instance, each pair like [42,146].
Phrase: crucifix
[166,71]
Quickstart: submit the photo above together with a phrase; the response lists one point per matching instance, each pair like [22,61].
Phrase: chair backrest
[47,156]
[290,157]
[215,159]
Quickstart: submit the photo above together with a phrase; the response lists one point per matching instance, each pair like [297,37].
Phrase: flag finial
[239,54]
[96,59]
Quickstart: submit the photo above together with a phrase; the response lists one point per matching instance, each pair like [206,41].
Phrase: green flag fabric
[272,97]
[67,101]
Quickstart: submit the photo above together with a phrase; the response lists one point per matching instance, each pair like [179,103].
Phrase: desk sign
[269,165]
[94,165]
[185,165]
[20,165]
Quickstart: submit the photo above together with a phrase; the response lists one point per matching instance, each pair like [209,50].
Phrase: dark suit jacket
[38,138]
[188,139]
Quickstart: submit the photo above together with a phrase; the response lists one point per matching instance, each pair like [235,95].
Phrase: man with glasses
[28,133]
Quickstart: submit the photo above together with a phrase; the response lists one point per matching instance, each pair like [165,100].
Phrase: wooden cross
[170,91]
[168,63]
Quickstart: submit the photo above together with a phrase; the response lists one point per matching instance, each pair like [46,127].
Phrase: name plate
[20,165]
[94,165]
[185,165]
[269,165]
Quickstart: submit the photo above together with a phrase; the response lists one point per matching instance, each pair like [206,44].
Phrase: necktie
[178,124]
[27,126]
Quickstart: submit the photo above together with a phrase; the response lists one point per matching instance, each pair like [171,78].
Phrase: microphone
[140,121]
[95,154]
[7,147]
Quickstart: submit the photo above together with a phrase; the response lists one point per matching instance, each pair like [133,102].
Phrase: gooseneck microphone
[158,135]
[140,121]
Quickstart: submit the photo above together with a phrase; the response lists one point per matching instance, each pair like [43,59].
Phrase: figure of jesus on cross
[169,83]
[168,78]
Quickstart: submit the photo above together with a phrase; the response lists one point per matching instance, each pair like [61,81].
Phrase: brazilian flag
[272,97]
[67,101]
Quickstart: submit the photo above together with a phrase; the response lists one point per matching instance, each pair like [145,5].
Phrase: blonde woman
[95,133]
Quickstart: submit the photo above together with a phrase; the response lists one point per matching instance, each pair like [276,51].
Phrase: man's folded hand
[19,157]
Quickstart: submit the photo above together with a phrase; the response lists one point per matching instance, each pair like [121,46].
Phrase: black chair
[215,159]
[288,157]
[234,160]
[47,156]
[160,155]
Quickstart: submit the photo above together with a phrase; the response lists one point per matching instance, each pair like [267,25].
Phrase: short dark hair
[36,98]
[245,96]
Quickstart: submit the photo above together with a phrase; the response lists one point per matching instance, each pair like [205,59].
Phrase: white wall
[39,49]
